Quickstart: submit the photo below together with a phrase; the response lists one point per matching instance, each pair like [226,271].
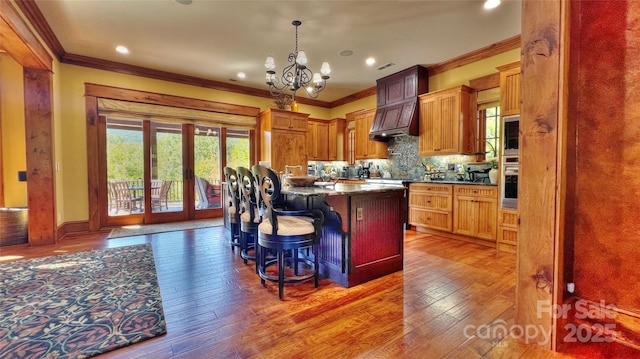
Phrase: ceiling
[214,40]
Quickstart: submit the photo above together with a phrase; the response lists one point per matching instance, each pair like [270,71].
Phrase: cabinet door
[333,140]
[281,120]
[298,122]
[463,215]
[429,125]
[312,137]
[510,92]
[485,216]
[289,148]
[362,137]
[322,141]
[449,135]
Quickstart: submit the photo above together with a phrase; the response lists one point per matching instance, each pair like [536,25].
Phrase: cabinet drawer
[508,218]
[431,219]
[477,191]
[507,239]
[430,187]
[430,201]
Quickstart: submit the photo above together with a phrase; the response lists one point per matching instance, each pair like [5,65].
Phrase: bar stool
[250,216]
[232,205]
[285,232]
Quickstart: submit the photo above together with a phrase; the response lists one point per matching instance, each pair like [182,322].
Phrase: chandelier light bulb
[270,64]
[301,59]
[317,79]
[325,69]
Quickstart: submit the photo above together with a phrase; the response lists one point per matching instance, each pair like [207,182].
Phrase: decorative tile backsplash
[404,161]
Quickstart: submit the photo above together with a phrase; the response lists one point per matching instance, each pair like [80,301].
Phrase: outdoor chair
[124,197]
[160,193]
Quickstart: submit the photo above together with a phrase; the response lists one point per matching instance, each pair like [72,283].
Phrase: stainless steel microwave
[511,135]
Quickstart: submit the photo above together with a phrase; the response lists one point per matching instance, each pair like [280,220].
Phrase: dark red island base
[362,237]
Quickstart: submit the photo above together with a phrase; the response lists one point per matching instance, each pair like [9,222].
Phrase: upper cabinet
[510,89]
[397,98]
[284,139]
[364,147]
[446,126]
[317,140]
[287,120]
[324,139]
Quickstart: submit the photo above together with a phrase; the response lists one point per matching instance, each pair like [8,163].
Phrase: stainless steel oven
[509,182]
[511,134]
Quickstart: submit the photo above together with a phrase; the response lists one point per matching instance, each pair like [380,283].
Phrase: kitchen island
[362,235]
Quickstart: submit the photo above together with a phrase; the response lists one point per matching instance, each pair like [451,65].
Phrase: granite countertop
[418,180]
[341,189]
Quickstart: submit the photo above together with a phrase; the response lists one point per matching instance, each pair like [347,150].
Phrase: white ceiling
[214,40]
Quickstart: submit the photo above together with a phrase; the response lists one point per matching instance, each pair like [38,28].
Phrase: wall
[13,132]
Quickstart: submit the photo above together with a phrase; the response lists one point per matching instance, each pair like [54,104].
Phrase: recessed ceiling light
[346,53]
[370,61]
[242,75]
[491,4]
[122,49]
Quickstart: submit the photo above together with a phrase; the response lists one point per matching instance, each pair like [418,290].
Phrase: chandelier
[297,75]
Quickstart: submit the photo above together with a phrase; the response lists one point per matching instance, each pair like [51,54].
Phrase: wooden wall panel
[605,79]
[38,103]
[537,195]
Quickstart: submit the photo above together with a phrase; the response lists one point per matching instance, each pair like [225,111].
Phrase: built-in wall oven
[509,182]
[510,162]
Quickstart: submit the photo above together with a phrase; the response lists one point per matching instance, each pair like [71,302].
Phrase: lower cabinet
[468,210]
[507,230]
[474,211]
[430,206]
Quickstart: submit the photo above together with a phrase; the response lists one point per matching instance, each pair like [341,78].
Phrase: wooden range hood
[397,103]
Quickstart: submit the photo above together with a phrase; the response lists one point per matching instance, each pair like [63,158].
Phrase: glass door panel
[166,160]
[125,166]
[238,148]
[207,167]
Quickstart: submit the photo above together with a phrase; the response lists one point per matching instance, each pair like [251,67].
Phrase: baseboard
[459,237]
[608,321]
[72,228]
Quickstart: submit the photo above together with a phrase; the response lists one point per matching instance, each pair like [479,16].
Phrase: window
[492,131]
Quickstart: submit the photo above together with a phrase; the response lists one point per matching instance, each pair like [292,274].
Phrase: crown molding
[511,43]
[37,20]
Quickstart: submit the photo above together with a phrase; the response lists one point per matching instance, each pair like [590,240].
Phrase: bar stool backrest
[233,201]
[248,193]
[269,187]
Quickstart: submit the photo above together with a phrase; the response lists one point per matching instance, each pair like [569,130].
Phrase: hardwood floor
[215,306]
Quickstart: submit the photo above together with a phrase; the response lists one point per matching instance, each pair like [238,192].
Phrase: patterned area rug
[79,305]
[138,230]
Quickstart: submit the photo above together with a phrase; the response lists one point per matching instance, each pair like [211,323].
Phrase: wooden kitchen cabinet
[430,206]
[364,147]
[318,140]
[510,89]
[507,230]
[446,126]
[337,127]
[284,139]
[474,211]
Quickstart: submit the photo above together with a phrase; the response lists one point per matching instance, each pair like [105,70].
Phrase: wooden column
[38,108]
[538,196]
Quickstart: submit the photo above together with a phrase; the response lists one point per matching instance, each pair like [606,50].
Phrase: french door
[155,171]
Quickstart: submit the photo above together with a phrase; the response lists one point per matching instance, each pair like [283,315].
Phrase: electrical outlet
[359,214]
